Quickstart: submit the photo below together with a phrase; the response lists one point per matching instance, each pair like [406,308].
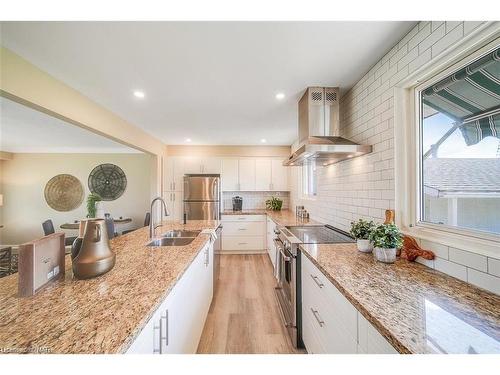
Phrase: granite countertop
[103,314]
[417,309]
[282,218]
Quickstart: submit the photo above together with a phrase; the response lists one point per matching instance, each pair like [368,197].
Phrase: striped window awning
[471,97]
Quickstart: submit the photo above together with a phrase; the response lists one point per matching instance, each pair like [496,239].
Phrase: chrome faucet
[152,227]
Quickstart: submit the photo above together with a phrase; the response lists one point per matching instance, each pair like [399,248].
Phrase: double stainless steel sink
[175,238]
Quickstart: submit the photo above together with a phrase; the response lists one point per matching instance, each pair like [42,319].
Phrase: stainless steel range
[288,290]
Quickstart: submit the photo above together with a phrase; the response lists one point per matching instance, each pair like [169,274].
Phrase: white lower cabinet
[330,323]
[244,233]
[176,326]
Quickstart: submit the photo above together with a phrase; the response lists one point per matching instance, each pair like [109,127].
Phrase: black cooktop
[319,234]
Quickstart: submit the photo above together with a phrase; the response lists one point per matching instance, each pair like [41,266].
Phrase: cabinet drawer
[239,218]
[344,312]
[327,312]
[242,243]
[243,228]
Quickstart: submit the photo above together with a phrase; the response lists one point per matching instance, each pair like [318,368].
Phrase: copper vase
[95,257]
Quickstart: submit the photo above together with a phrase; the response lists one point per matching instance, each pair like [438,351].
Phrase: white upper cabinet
[205,165]
[211,165]
[279,176]
[246,174]
[193,165]
[173,172]
[254,174]
[229,174]
[263,174]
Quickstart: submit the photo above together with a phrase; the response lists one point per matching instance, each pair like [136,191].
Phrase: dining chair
[147,220]
[6,261]
[48,228]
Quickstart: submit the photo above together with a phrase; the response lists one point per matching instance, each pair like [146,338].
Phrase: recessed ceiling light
[188,140]
[280,96]
[139,94]
[263,140]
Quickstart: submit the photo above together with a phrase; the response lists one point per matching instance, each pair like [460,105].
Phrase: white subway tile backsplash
[494,267]
[450,268]
[432,38]
[466,258]
[438,249]
[364,186]
[483,280]
[453,36]
[255,200]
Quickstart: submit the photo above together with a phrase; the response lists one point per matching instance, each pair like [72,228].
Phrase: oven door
[285,291]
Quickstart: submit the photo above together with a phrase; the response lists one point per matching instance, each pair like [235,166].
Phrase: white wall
[364,187]
[25,176]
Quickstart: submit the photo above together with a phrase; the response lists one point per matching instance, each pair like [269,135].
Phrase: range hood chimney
[319,130]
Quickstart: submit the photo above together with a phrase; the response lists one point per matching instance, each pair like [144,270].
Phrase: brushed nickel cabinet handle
[318,283]
[157,328]
[242,243]
[318,317]
[242,229]
[166,327]
[173,185]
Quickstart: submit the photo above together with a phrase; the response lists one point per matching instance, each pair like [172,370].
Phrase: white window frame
[305,194]
[407,161]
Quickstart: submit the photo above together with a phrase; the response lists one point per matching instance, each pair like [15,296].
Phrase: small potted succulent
[274,204]
[361,230]
[386,238]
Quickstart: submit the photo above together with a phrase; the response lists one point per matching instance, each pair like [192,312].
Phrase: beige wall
[23,182]
[228,151]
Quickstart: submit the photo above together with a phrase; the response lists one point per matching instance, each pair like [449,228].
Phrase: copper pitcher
[95,257]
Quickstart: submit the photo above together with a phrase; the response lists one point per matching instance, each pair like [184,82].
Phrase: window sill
[476,245]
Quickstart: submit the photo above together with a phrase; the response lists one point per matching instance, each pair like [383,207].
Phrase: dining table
[76,223]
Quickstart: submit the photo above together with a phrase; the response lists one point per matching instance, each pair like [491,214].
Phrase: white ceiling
[213,82]
[23,130]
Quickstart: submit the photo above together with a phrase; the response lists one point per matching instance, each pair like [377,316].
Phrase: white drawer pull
[242,243]
[318,318]
[318,283]
[242,228]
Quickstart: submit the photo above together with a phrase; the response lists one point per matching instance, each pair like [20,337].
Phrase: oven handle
[279,246]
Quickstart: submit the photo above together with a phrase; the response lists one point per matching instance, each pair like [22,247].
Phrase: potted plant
[386,239]
[274,204]
[92,200]
[361,230]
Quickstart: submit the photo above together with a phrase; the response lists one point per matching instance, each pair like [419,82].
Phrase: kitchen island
[415,308]
[103,314]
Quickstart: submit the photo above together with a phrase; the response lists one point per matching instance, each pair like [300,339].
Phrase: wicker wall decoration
[64,192]
[108,181]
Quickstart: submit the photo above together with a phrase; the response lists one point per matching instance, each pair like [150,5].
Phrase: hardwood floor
[244,316]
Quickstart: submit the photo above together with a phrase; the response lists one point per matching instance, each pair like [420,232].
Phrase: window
[459,126]
[309,180]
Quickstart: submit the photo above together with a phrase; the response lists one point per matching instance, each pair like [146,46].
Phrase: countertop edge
[394,341]
[122,349]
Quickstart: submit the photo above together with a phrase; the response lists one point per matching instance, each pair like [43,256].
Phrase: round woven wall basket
[108,181]
[64,192]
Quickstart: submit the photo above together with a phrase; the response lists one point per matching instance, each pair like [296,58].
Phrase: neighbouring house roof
[462,177]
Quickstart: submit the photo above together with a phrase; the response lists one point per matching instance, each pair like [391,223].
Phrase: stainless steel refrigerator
[202,196]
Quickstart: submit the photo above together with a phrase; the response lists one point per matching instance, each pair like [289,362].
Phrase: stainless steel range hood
[319,129]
